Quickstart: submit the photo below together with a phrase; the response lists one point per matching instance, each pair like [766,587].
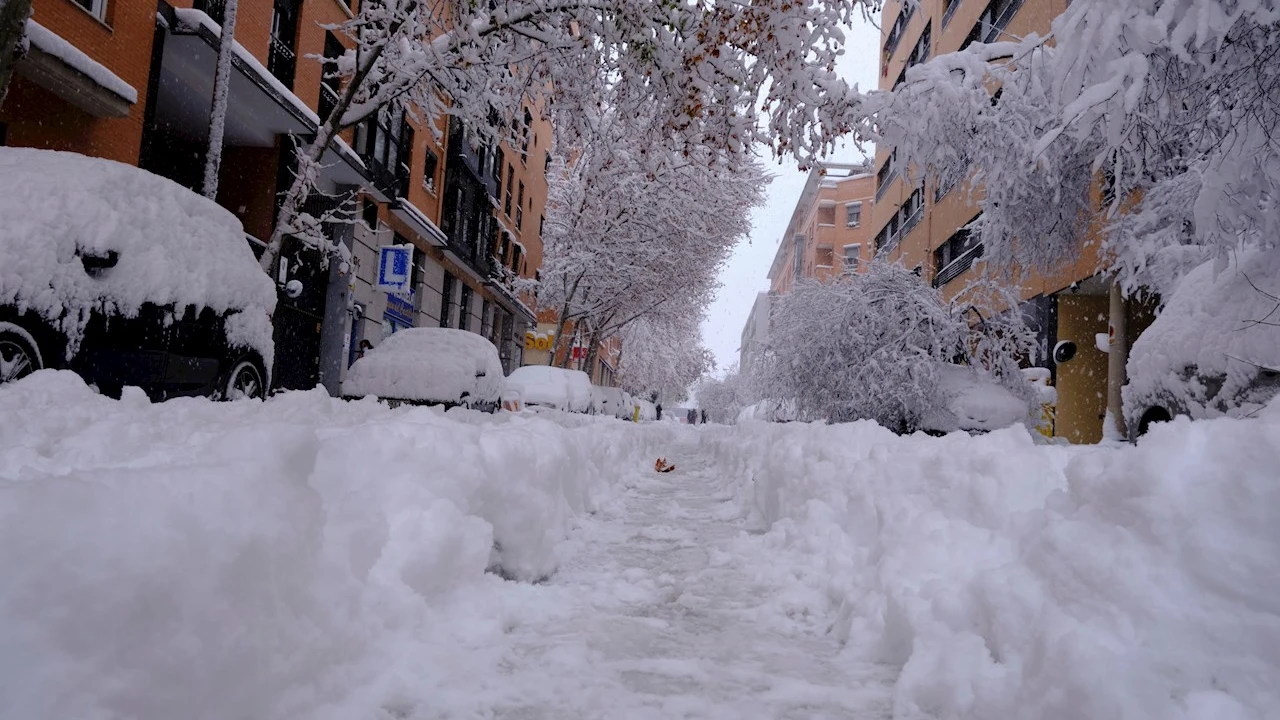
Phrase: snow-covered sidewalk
[663,614]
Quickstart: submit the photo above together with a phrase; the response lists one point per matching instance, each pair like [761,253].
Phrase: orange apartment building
[828,234]
[920,224]
[131,80]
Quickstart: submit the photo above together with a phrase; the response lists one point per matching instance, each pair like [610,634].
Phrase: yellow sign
[537,341]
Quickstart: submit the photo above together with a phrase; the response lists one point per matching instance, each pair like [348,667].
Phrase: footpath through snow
[308,558]
[665,613]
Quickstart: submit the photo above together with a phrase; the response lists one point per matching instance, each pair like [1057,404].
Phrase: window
[215,9]
[511,176]
[919,53]
[383,139]
[911,210]
[282,56]
[886,174]
[955,256]
[797,258]
[464,308]
[825,256]
[517,258]
[546,168]
[370,214]
[499,159]
[899,26]
[520,209]
[330,84]
[542,226]
[431,165]
[446,300]
[949,9]
[853,214]
[852,257]
[524,135]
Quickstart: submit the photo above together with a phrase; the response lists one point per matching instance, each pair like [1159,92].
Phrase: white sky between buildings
[745,273]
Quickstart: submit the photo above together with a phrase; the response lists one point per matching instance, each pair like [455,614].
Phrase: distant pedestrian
[691,417]
[659,410]
[704,417]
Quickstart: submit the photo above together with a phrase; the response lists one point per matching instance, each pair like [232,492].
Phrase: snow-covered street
[307,557]
[666,615]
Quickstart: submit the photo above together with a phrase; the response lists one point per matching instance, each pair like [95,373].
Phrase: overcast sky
[744,274]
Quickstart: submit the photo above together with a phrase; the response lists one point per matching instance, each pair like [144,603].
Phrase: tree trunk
[1117,360]
[592,350]
[221,89]
[13,27]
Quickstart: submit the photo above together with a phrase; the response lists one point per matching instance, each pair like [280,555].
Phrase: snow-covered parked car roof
[1214,349]
[974,402]
[172,246]
[430,365]
[579,390]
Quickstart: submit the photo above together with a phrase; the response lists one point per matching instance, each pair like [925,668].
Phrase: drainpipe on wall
[1117,359]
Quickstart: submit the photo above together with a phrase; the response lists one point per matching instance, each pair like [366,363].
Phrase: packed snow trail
[662,617]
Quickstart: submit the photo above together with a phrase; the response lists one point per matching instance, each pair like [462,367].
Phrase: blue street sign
[395,264]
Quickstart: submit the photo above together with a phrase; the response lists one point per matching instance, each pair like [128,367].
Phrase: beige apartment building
[920,224]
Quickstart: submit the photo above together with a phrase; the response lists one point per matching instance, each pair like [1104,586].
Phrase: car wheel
[1151,416]
[244,381]
[19,356]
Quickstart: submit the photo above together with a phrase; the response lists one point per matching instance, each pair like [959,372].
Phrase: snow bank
[174,247]
[301,557]
[432,364]
[1219,324]
[1008,579]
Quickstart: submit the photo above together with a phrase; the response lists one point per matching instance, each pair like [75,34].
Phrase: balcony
[956,268]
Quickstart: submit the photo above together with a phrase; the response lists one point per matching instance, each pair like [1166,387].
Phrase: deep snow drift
[312,558]
[1015,580]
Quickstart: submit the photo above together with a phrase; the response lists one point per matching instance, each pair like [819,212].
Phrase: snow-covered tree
[1170,107]
[13,30]
[719,74]
[636,231]
[663,354]
[870,345]
[724,396]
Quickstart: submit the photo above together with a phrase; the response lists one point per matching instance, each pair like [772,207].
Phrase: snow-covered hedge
[302,557]
[1014,580]
[1218,330]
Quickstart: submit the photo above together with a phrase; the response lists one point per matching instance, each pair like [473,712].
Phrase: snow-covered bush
[1215,347]
[1006,579]
[872,345]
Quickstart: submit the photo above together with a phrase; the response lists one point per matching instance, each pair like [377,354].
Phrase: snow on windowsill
[53,44]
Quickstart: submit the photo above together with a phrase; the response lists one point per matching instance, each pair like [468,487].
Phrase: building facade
[132,81]
[829,231]
[921,223]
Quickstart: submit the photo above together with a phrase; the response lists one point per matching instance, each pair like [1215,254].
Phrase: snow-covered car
[975,402]
[1214,349]
[430,366]
[609,401]
[553,387]
[540,386]
[579,390]
[127,278]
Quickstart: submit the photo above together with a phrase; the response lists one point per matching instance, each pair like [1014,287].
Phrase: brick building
[131,80]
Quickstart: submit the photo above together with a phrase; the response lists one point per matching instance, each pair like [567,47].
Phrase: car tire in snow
[245,380]
[19,355]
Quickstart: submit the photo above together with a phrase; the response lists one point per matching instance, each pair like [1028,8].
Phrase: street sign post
[395,267]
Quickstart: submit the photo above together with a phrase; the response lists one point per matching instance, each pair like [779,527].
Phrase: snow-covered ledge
[61,68]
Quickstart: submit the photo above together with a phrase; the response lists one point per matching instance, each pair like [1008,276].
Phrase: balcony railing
[956,267]
[281,61]
[884,184]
